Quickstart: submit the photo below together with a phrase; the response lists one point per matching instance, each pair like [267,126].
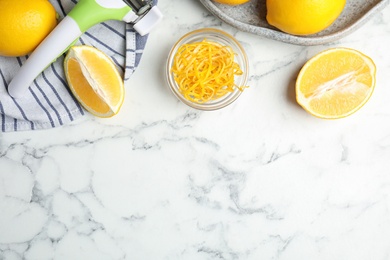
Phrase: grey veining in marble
[260,179]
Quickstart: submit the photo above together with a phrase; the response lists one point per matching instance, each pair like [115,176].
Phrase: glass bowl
[219,37]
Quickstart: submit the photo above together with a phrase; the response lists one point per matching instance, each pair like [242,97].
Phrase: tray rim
[294,39]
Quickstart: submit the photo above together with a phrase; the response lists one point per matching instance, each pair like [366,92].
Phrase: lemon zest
[205,71]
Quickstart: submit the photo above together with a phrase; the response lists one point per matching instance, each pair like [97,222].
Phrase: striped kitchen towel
[48,102]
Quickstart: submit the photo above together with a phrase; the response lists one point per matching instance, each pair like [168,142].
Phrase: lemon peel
[205,71]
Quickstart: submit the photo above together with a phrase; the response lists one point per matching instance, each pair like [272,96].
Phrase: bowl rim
[215,105]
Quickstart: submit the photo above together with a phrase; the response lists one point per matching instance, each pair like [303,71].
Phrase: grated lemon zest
[205,71]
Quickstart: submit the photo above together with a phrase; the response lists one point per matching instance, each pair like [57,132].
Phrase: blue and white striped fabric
[48,102]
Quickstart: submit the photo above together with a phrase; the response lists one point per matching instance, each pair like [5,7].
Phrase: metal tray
[250,17]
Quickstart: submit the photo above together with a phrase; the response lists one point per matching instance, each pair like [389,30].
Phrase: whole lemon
[303,17]
[232,2]
[24,24]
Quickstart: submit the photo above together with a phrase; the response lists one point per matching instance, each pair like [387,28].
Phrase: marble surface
[260,179]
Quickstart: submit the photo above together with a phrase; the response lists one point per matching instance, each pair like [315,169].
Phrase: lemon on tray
[335,83]
[303,17]
[94,80]
[24,24]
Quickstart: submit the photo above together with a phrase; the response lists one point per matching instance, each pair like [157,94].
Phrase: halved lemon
[335,83]
[94,80]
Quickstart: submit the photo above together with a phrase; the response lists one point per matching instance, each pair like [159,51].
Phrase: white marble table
[260,179]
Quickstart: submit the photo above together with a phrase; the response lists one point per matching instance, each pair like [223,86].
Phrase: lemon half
[336,83]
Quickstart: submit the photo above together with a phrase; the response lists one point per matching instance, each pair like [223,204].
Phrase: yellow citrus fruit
[94,80]
[335,83]
[24,24]
[303,17]
[232,2]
